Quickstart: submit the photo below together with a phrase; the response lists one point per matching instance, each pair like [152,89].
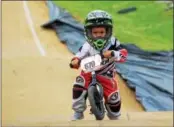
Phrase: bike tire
[97,107]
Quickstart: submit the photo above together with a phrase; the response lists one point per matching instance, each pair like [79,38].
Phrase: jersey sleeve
[83,51]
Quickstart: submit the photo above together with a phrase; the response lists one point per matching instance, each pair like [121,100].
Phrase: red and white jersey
[119,53]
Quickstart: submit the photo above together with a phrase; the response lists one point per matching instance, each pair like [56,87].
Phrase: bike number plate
[89,63]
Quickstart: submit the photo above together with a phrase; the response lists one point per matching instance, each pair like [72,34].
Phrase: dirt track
[36,86]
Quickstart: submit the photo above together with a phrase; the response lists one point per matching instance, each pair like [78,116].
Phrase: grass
[150,27]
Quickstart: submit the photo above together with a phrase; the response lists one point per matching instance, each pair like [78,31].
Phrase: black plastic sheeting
[150,74]
[127,10]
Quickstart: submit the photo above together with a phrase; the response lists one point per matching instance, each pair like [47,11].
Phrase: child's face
[98,32]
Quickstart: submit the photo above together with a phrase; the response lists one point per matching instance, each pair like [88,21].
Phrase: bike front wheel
[96,102]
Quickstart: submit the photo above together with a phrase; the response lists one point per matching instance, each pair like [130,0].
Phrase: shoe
[114,118]
[77,116]
[111,117]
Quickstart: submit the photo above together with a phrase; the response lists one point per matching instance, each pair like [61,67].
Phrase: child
[98,33]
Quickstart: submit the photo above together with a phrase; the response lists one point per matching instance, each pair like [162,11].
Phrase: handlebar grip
[101,54]
[112,54]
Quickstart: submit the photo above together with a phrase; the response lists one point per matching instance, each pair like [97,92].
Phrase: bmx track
[37,81]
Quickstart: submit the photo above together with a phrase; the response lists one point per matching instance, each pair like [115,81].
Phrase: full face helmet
[98,18]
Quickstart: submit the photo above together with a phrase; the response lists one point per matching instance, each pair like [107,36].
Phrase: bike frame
[95,83]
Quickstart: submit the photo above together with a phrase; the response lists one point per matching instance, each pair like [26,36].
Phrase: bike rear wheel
[96,102]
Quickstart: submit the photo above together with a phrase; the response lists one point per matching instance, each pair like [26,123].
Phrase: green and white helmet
[98,18]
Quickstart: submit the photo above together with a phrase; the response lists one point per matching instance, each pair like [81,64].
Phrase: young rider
[99,39]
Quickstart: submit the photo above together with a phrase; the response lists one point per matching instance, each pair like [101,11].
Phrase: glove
[74,63]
